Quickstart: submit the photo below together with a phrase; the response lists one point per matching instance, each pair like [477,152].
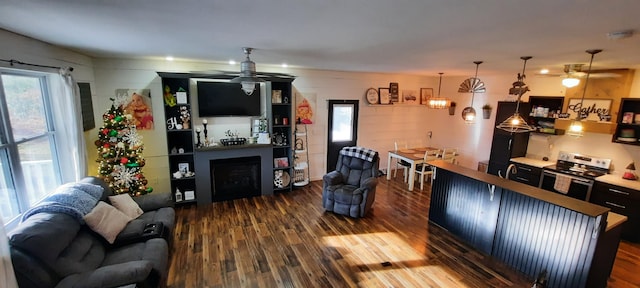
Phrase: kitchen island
[532,230]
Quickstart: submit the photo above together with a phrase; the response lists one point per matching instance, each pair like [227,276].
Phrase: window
[29,167]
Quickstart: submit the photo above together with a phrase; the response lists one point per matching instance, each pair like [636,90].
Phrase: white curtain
[7,278]
[70,137]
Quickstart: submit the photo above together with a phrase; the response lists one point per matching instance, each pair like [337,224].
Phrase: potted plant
[452,108]
[486,111]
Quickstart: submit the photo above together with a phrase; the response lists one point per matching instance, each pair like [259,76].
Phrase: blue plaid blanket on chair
[360,152]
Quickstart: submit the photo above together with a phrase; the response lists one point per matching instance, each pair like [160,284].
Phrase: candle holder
[198,144]
[206,138]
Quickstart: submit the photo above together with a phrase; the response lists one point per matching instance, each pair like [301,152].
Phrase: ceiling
[403,36]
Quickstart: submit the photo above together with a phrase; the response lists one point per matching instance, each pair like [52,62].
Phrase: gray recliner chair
[351,188]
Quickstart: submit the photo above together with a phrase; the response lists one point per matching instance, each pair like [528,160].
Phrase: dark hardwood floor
[287,240]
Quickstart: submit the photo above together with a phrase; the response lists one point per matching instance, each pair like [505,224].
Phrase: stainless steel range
[574,174]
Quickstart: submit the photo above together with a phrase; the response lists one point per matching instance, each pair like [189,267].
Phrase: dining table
[413,156]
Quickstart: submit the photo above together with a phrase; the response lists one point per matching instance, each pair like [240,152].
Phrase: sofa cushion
[154,250]
[126,205]
[85,253]
[97,181]
[107,221]
[45,235]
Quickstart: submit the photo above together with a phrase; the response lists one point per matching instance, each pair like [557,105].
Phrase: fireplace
[206,157]
[235,178]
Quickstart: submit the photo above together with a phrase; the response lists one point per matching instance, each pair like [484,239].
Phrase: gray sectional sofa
[51,249]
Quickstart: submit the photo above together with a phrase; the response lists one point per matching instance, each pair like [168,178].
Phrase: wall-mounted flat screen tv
[226,99]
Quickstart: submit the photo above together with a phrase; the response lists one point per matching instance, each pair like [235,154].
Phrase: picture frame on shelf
[425,94]
[183,168]
[385,97]
[281,162]
[410,97]
[189,195]
[394,91]
[276,96]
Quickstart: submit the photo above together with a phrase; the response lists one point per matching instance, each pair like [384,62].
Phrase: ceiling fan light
[247,76]
[570,82]
[248,87]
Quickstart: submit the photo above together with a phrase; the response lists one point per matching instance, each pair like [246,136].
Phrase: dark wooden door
[343,129]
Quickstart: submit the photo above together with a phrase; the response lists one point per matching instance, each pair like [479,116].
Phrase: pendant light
[247,76]
[438,102]
[515,123]
[576,129]
[475,85]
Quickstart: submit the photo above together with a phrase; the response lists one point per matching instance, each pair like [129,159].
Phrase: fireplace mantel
[203,157]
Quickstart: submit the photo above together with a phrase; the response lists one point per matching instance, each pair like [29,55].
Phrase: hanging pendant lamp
[576,129]
[247,78]
[438,102]
[474,85]
[515,123]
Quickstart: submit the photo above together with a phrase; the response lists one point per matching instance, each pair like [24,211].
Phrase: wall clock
[372,96]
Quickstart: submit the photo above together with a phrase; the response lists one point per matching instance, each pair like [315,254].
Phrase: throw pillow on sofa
[107,221]
[126,205]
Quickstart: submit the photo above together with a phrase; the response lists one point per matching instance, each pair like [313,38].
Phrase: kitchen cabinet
[621,200]
[505,145]
[627,128]
[526,174]
[474,203]
[544,112]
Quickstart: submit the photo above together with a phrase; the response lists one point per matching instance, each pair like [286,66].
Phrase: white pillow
[126,205]
[107,221]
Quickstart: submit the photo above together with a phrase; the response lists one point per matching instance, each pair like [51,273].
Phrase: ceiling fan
[573,73]
[579,71]
[247,69]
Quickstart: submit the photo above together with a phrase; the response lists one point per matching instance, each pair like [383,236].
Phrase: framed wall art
[425,94]
[385,97]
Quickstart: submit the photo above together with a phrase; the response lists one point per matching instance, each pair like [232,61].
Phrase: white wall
[379,126]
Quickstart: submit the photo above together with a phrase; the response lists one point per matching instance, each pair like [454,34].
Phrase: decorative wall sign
[394,90]
[592,108]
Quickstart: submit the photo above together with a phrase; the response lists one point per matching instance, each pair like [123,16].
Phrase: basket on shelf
[233,141]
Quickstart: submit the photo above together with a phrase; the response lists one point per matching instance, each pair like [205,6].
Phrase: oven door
[580,188]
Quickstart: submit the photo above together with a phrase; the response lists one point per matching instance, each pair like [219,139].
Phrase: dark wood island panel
[528,228]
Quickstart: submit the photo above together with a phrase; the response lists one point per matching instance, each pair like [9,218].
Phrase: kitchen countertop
[616,179]
[614,219]
[533,162]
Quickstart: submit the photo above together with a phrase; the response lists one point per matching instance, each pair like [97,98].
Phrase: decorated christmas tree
[120,153]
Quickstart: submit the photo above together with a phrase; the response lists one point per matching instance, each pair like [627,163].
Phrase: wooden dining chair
[399,145]
[449,155]
[425,169]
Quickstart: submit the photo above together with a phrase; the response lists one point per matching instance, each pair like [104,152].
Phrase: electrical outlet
[430,134]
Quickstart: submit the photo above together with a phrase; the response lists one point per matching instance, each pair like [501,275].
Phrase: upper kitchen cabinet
[627,128]
[544,112]
[613,84]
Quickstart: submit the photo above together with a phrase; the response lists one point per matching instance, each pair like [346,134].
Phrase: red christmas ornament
[105,131]
[124,160]
[111,116]
[106,145]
